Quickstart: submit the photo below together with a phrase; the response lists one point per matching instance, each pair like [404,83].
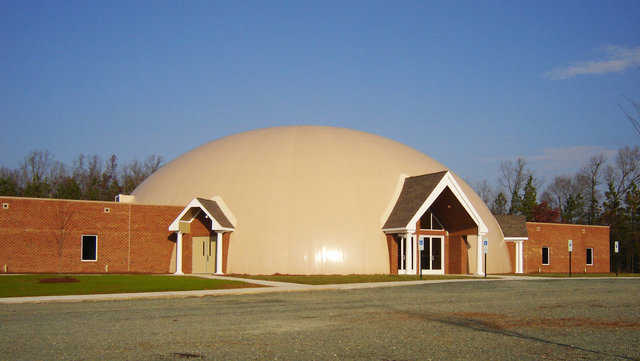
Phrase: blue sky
[468,83]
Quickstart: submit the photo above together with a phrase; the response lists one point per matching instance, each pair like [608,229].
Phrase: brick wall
[44,235]
[555,237]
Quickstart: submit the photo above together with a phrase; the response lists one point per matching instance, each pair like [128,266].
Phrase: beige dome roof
[305,199]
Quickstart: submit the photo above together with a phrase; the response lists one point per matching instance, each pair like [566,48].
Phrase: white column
[519,257]
[414,261]
[403,256]
[219,253]
[479,262]
[179,255]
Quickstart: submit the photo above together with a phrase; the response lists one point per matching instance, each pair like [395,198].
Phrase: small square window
[89,248]
[545,256]
[5,205]
[589,256]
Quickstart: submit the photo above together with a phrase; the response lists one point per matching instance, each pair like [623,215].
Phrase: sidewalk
[273,287]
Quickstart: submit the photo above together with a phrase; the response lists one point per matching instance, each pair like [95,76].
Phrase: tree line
[89,177]
[603,192]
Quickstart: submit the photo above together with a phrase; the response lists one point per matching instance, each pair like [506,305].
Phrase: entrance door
[432,255]
[203,255]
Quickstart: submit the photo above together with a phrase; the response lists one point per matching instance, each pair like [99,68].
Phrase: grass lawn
[578,275]
[335,279]
[32,285]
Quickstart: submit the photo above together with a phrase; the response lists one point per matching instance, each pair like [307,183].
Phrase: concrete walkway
[271,287]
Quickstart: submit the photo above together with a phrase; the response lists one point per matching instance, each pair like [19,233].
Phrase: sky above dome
[468,83]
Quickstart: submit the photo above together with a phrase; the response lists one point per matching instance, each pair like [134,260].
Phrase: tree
[626,169]
[529,200]
[40,175]
[34,169]
[484,190]
[8,183]
[135,172]
[499,206]
[612,211]
[573,209]
[68,189]
[513,176]
[592,172]
[633,116]
[632,200]
[565,194]
[544,213]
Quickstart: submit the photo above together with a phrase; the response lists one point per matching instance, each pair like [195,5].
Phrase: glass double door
[431,254]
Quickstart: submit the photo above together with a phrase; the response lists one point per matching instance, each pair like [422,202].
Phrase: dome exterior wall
[306,199]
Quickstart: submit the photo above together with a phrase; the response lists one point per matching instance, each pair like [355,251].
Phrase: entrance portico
[515,234]
[431,226]
[208,250]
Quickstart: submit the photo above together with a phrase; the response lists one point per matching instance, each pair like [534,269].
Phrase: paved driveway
[550,319]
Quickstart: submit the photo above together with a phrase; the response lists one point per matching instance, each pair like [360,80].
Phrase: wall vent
[5,205]
[107,210]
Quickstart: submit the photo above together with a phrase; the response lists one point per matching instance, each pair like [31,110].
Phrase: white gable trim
[449,180]
[195,203]
[511,239]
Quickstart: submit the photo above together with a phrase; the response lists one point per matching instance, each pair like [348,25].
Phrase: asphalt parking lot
[551,319]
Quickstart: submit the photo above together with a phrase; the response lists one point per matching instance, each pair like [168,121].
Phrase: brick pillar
[392,246]
[226,237]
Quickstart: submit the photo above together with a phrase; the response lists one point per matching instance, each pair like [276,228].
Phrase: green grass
[594,275]
[30,285]
[338,279]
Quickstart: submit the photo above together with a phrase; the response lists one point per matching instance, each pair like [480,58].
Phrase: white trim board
[513,239]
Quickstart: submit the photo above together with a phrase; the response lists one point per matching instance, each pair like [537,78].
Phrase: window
[89,248]
[430,221]
[589,256]
[545,255]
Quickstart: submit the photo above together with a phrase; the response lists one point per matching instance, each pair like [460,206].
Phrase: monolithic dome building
[292,200]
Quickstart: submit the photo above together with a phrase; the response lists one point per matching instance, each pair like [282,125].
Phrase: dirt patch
[494,321]
[58,280]
[506,322]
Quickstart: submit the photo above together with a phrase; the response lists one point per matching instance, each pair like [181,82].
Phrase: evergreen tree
[68,189]
[632,200]
[8,186]
[529,200]
[573,210]
[516,203]
[612,211]
[499,206]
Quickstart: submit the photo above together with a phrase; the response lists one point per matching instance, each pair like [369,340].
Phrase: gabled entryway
[514,230]
[428,226]
[203,231]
